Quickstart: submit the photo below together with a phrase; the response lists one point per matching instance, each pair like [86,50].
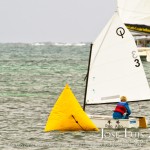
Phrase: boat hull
[109,122]
[144,52]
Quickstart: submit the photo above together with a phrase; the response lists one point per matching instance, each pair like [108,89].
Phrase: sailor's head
[123,98]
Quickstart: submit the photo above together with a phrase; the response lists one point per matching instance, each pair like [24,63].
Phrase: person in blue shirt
[122,108]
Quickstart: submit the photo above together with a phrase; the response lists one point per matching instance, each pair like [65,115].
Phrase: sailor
[122,108]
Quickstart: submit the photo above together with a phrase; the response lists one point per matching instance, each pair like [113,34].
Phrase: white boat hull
[144,52]
[109,122]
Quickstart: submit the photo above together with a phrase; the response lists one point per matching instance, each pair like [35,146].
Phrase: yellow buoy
[67,114]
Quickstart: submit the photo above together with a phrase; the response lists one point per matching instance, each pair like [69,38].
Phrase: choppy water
[31,79]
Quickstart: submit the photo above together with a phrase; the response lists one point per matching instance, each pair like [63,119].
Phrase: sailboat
[136,16]
[115,69]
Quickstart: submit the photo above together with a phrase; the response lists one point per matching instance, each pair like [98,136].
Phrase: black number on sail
[137,62]
[120,31]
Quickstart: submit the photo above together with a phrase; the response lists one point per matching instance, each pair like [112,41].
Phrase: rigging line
[77,122]
[102,42]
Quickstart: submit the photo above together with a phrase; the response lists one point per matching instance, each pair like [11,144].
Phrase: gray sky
[53,20]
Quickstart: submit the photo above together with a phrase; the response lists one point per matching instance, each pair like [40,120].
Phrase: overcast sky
[53,20]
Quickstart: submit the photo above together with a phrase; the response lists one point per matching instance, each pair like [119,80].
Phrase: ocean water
[32,77]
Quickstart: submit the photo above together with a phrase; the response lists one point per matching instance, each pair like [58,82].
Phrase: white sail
[135,12]
[115,67]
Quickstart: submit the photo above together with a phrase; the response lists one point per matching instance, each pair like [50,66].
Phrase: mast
[87,76]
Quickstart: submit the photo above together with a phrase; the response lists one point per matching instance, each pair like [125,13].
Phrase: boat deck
[109,122]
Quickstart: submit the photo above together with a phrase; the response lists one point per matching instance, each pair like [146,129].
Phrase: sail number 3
[136,60]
